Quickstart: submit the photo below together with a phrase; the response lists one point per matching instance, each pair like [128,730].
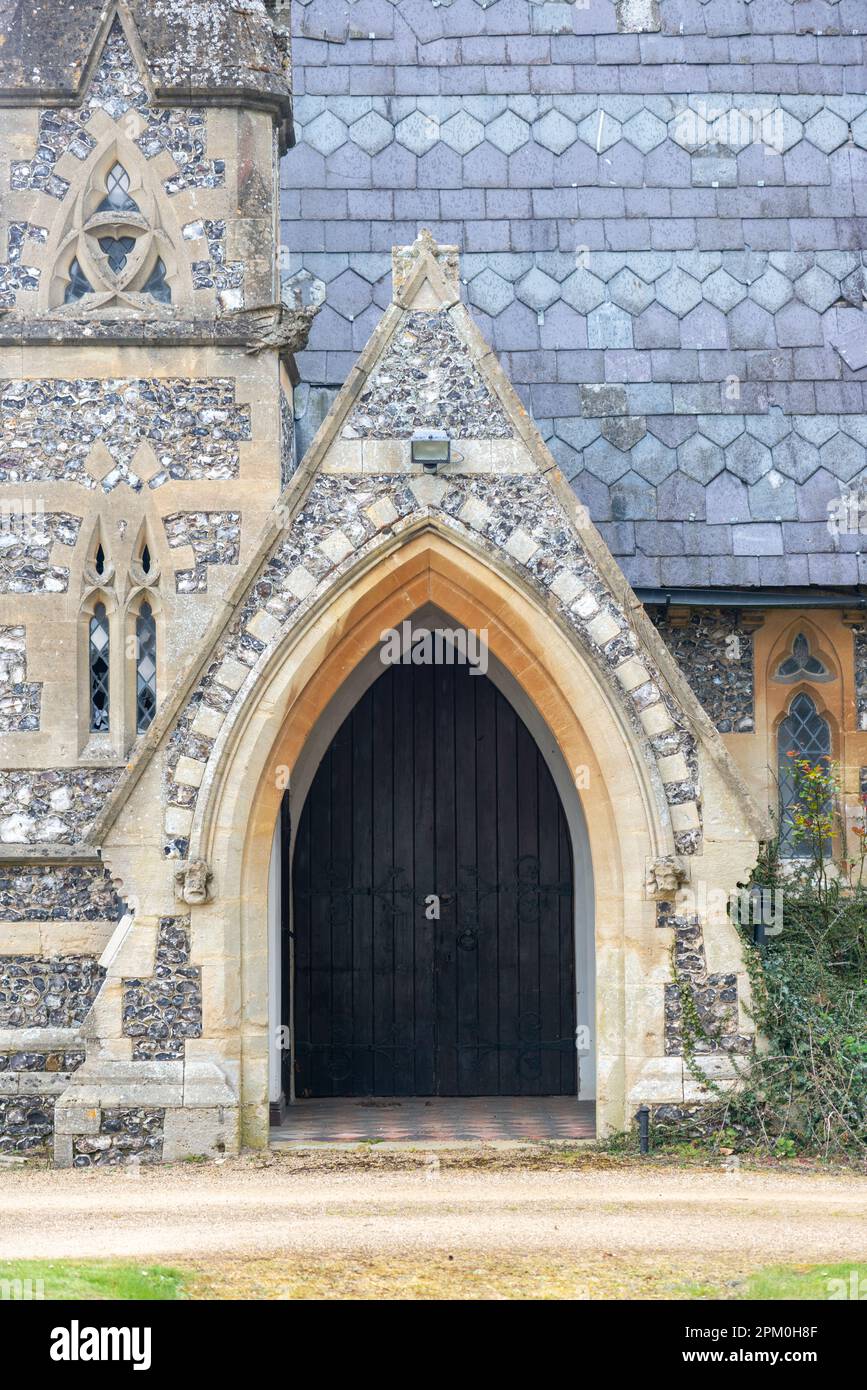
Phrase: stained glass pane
[805,733]
[78,283]
[116,249]
[117,197]
[146,668]
[157,285]
[98,651]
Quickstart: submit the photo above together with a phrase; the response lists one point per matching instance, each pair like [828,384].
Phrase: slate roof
[663,234]
[195,50]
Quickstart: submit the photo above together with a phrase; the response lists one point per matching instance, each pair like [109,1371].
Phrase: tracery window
[802,664]
[98,661]
[114,255]
[804,733]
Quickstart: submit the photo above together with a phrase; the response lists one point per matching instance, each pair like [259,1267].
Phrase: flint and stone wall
[146,424]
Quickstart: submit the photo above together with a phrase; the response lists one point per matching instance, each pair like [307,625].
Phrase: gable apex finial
[425,251]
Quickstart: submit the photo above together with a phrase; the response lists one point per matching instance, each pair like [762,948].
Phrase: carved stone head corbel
[193,882]
[664,876]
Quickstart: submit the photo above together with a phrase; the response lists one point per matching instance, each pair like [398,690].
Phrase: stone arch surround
[521,528]
[625,827]
[356,683]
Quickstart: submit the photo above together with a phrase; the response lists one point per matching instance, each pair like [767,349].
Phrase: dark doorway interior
[433,786]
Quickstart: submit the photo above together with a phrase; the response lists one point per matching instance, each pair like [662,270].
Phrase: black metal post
[642,1115]
[759,928]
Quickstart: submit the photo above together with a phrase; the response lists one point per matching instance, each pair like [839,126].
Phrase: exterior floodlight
[431,448]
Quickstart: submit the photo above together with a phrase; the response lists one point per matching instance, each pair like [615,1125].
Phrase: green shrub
[804,1088]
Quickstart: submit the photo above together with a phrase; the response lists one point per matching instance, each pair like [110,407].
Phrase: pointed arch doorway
[437,896]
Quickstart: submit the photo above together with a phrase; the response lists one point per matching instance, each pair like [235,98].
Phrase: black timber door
[433,789]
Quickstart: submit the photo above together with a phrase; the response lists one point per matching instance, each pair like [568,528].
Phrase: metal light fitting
[430,448]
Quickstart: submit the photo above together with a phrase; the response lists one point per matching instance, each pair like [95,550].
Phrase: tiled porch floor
[437,1121]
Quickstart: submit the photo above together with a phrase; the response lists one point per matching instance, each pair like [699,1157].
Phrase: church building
[431,444]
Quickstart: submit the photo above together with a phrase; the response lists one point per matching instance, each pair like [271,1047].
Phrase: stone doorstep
[277,1140]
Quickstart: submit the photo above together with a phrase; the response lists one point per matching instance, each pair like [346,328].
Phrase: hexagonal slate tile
[600,131]
[723,291]
[624,431]
[537,289]
[326,133]
[463,132]
[826,131]
[818,289]
[645,131]
[700,458]
[582,291]
[652,460]
[796,458]
[629,291]
[371,132]
[555,132]
[842,457]
[508,132]
[859,131]
[748,459]
[772,290]
[605,461]
[351,293]
[678,292]
[417,132]
[785,131]
[490,292]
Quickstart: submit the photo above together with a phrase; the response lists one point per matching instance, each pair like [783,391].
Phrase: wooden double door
[432,902]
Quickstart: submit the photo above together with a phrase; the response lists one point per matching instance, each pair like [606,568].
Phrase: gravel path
[249,1207]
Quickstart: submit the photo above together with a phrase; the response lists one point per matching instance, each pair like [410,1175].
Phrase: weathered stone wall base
[136,1112]
[684,1123]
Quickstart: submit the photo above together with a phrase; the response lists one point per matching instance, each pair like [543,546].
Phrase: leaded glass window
[156,284]
[117,196]
[79,285]
[98,652]
[116,249]
[146,668]
[804,734]
[802,664]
